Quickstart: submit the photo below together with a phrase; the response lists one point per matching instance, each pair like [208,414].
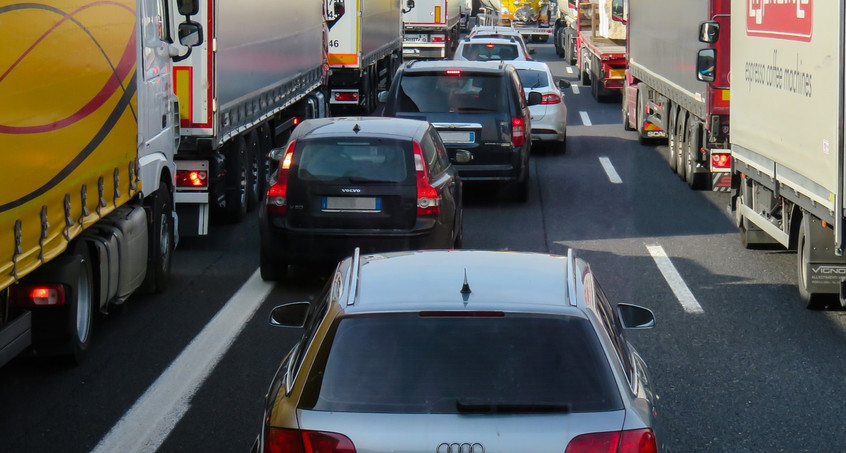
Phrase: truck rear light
[630,441]
[720,160]
[346,96]
[437,38]
[550,99]
[428,199]
[192,178]
[37,296]
[276,199]
[281,440]
[518,131]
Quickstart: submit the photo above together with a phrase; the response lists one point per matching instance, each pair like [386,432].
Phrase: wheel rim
[83,305]
[164,241]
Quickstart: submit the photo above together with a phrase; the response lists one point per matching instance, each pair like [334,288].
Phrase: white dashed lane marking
[677,284]
[610,170]
[585,118]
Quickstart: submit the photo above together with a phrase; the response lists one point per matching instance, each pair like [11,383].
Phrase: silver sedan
[549,118]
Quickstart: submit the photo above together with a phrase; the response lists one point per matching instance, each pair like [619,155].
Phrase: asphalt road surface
[739,364]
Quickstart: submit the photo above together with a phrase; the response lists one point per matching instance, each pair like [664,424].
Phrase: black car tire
[813,301]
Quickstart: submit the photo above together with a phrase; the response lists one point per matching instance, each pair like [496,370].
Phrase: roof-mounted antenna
[465,289]
[356,128]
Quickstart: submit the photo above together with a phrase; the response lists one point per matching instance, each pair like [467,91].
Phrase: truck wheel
[813,301]
[639,114]
[571,46]
[80,311]
[681,144]
[236,181]
[625,111]
[583,70]
[254,175]
[265,145]
[671,139]
[160,250]
[558,42]
[695,181]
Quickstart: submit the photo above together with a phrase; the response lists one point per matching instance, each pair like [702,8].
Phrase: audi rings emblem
[456,447]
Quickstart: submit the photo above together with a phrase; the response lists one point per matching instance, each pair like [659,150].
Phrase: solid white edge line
[613,176]
[585,118]
[671,275]
[147,424]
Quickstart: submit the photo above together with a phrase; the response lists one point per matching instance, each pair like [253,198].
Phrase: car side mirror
[534,98]
[276,154]
[289,315]
[382,97]
[462,156]
[709,32]
[705,65]
[635,316]
[563,84]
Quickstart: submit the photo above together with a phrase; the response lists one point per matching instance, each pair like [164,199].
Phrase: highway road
[739,364]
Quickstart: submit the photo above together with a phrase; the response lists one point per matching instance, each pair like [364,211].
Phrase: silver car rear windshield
[533,79]
[452,91]
[371,159]
[407,363]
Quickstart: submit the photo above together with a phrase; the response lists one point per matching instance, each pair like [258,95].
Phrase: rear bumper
[326,246]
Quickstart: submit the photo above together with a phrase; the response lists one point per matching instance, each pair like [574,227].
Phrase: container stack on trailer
[261,68]
[430,29]
[663,97]
[789,161]
[365,49]
[88,128]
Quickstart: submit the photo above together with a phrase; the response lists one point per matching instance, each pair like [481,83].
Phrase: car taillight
[36,296]
[551,99]
[428,199]
[719,160]
[276,199]
[192,178]
[518,131]
[631,441]
[281,440]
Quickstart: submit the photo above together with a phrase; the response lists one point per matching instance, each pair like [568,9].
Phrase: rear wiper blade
[477,407]
[358,179]
[473,109]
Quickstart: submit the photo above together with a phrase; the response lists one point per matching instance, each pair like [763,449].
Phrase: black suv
[476,106]
[379,184]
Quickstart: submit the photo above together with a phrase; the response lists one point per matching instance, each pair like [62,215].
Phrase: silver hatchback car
[461,352]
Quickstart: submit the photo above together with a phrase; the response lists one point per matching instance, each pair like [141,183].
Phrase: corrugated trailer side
[238,90]
[789,160]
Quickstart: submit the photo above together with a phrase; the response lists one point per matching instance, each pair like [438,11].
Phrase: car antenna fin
[356,128]
[465,288]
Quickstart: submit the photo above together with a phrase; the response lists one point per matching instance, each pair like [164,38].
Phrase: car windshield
[533,78]
[489,51]
[440,92]
[359,159]
[410,363]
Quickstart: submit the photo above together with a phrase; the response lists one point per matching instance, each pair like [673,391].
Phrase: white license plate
[414,37]
[352,204]
[458,136]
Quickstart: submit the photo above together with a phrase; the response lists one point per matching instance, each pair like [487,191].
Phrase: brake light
[550,99]
[455,72]
[37,296]
[631,441]
[490,46]
[437,38]
[192,178]
[721,160]
[428,199]
[298,441]
[276,199]
[518,131]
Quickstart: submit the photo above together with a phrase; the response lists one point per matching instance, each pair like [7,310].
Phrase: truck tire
[236,181]
[681,144]
[585,77]
[813,301]
[80,307]
[558,42]
[640,110]
[625,111]
[254,171]
[571,46]
[160,249]
[672,138]
[695,181]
